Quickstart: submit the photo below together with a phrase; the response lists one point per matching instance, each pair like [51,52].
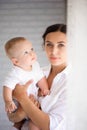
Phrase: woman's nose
[54,50]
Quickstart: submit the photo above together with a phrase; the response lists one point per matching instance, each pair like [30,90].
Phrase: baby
[25,68]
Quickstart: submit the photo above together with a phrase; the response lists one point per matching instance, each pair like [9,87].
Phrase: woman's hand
[21,90]
[32,98]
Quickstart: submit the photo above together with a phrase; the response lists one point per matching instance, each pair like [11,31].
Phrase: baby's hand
[10,106]
[45,92]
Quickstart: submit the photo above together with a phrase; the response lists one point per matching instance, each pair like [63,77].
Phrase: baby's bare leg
[32,126]
[19,125]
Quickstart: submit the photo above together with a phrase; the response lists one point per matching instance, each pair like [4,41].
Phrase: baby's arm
[9,104]
[43,85]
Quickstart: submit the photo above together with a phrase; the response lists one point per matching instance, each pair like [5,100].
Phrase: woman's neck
[54,71]
[57,69]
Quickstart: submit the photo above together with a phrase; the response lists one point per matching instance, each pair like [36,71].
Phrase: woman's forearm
[40,118]
[37,116]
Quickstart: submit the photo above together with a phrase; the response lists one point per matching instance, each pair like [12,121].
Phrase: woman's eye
[60,45]
[49,45]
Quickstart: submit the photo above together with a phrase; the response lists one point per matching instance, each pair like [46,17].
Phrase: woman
[53,113]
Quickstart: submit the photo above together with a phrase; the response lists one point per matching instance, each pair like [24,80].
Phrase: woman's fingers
[37,104]
[21,89]
[28,83]
[32,98]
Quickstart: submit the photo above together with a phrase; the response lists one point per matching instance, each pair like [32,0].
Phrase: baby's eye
[32,49]
[26,52]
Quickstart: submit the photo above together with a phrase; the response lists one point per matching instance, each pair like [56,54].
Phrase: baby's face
[26,55]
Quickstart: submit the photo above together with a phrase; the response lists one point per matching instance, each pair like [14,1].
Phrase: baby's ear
[14,60]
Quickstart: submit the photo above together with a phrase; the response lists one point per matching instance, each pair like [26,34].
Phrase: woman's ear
[14,60]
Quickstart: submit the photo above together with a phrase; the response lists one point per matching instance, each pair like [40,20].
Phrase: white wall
[77,38]
[27,18]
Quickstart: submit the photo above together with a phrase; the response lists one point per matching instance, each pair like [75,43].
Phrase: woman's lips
[54,58]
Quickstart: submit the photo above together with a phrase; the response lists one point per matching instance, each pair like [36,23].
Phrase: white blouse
[55,103]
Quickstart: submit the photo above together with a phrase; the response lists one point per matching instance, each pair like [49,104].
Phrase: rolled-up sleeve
[58,117]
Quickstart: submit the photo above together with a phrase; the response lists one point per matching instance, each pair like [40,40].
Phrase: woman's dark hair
[54,28]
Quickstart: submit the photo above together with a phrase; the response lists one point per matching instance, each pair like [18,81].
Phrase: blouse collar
[66,71]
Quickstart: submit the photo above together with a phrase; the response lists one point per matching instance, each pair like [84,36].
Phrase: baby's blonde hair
[10,45]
